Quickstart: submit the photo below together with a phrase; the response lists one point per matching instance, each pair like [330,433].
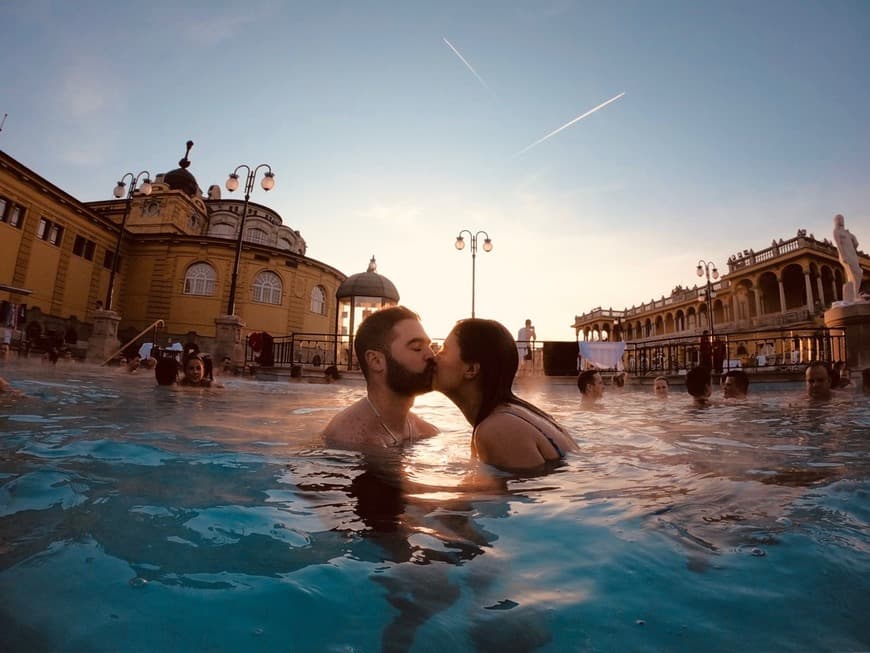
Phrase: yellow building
[764,296]
[176,261]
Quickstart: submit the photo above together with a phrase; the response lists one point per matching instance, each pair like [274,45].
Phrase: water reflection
[204,497]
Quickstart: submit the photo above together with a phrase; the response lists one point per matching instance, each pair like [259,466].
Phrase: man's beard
[402,381]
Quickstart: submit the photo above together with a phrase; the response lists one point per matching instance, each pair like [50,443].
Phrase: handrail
[134,339]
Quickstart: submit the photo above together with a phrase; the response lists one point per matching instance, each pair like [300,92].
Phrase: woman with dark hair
[475,369]
[197,372]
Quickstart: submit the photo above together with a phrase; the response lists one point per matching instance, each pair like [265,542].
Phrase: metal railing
[314,349]
[772,350]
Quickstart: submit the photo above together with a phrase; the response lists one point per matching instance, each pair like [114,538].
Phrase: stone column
[103,343]
[757,295]
[228,340]
[809,287]
[781,295]
[821,289]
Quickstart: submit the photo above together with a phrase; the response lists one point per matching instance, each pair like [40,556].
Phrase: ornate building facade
[176,260]
[786,286]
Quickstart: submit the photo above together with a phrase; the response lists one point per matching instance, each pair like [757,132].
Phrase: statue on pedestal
[847,248]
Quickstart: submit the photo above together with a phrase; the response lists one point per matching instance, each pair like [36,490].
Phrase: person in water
[395,357]
[591,387]
[197,372]
[735,384]
[661,387]
[475,369]
[699,384]
[818,381]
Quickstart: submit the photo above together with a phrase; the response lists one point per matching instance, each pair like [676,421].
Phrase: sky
[392,126]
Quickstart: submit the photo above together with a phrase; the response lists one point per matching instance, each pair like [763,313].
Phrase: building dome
[181,179]
[368,284]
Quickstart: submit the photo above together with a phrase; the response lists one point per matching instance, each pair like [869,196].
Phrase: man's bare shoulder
[347,425]
[422,428]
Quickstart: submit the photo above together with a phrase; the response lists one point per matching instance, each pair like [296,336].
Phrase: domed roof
[368,284]
[181,179]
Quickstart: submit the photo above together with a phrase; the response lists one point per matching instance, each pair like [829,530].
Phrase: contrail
[568,124]
[468,65]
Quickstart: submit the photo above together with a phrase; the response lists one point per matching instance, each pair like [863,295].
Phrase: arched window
[223,230]
[257,236]
[199,280]
[318,300]
[267,288]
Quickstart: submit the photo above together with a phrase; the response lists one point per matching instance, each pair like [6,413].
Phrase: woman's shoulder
[519,421]
[508,423]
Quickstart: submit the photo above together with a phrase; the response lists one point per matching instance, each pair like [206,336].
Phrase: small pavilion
[357,297]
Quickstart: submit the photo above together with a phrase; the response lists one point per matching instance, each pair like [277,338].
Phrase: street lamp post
[268,183]
[487,247]
[120,187]
[705,267]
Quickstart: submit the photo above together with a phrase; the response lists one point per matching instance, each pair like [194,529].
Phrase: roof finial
[185,162]
[373,266]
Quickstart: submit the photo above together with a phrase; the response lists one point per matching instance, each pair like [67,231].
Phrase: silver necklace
[389,431]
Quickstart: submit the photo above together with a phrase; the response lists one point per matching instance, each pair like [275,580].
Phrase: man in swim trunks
[395,357]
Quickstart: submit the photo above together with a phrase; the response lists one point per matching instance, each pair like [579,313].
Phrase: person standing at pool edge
[395,357]
[525,336]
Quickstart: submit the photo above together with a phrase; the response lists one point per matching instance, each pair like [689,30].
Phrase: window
[318,300]
[267,288]
[11,213]
[223,230]
[107,260]
[55,234]
[15,216]
[257,236]
[199,280]
[84,248]
[49,231]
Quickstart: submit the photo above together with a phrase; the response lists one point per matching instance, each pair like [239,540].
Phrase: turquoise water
[136,518]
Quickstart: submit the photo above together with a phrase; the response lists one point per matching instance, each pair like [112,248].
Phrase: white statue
[847,247]
[214,192]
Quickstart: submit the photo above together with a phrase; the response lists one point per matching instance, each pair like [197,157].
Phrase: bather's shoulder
[351,425]
[422,428]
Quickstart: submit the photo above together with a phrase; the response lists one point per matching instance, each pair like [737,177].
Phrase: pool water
[139,518]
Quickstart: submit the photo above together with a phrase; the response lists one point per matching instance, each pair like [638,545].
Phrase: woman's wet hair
[697,380]
[492,346]
[166,370]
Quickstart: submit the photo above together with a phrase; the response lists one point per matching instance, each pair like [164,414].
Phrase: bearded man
[396,359]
